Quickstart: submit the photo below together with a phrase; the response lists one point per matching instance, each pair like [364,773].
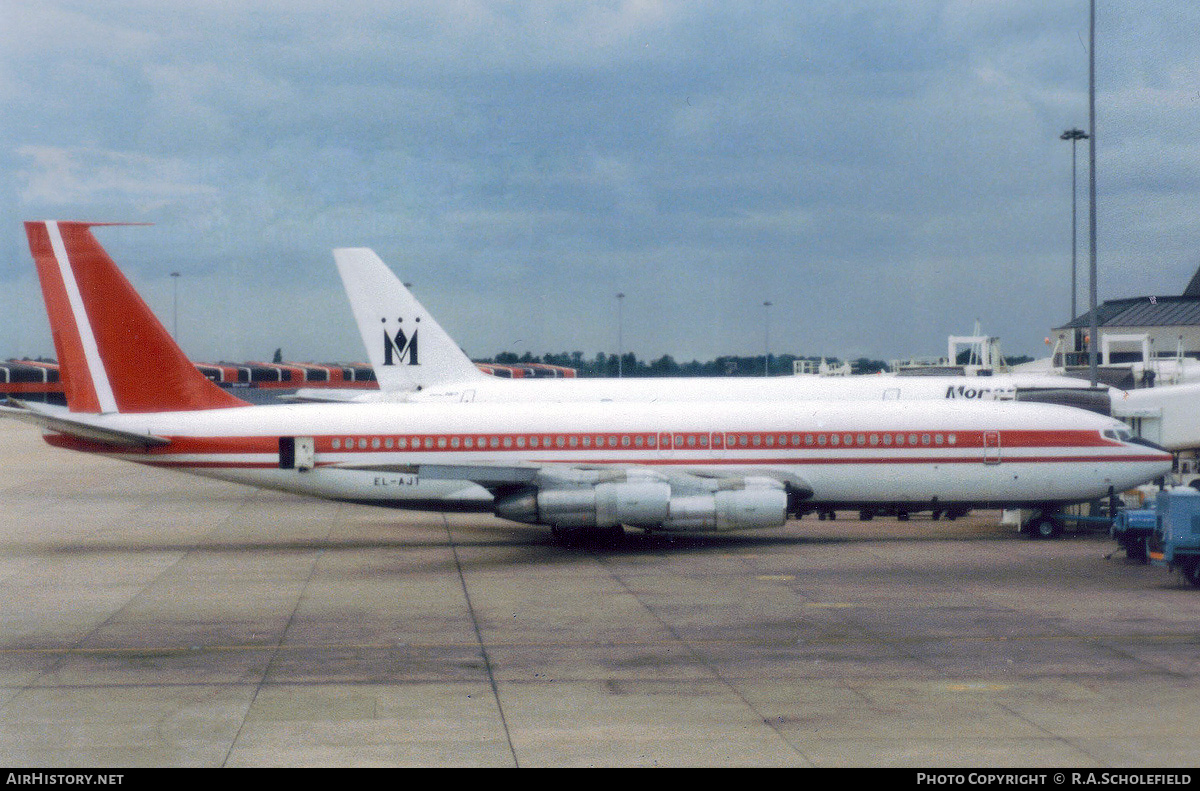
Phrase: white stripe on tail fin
[113,353]
[407,348]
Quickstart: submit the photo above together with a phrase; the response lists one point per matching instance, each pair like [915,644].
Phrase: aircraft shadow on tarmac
[633,542]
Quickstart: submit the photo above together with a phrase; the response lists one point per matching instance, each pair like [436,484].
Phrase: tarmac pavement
[156,619]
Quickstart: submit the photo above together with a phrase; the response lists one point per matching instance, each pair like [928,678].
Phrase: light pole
[1074,135]
[620,340]
[1092,339]
[175,310]
[767,338]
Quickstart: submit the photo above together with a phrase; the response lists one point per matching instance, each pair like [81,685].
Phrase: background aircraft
[416,360]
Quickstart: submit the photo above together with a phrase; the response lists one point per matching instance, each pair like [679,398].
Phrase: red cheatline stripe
[549,442]
[726,462]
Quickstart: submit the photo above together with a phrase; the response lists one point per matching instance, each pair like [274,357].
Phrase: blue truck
[1167,534]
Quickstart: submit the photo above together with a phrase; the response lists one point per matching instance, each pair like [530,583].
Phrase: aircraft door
[297,453]
[991,447]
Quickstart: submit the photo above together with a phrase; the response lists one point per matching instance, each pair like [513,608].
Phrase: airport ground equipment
[1133,529]
[1176,539]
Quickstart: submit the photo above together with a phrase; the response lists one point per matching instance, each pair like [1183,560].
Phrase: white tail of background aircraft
[407,348]
[590,467]
[415,359]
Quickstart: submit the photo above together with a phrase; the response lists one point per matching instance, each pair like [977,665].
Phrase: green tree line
[603,365]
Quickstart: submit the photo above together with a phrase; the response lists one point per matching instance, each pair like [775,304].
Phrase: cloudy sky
[884,173]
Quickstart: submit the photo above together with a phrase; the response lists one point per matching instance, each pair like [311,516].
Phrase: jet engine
[654,504]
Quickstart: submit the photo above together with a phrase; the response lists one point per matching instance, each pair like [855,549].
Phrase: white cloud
[672,150]
[57,176]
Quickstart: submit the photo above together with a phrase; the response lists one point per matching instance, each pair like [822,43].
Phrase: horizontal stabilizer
[73,424]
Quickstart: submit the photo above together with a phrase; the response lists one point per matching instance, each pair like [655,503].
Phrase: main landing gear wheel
[1045,528]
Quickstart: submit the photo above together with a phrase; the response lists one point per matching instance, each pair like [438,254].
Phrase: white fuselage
[875,387]
[768,388]
[848,453]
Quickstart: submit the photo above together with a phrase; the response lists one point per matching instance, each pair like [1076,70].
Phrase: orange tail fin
[114,354]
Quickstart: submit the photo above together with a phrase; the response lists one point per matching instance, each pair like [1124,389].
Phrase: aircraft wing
[506,475]
[600,496]
[63,421]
